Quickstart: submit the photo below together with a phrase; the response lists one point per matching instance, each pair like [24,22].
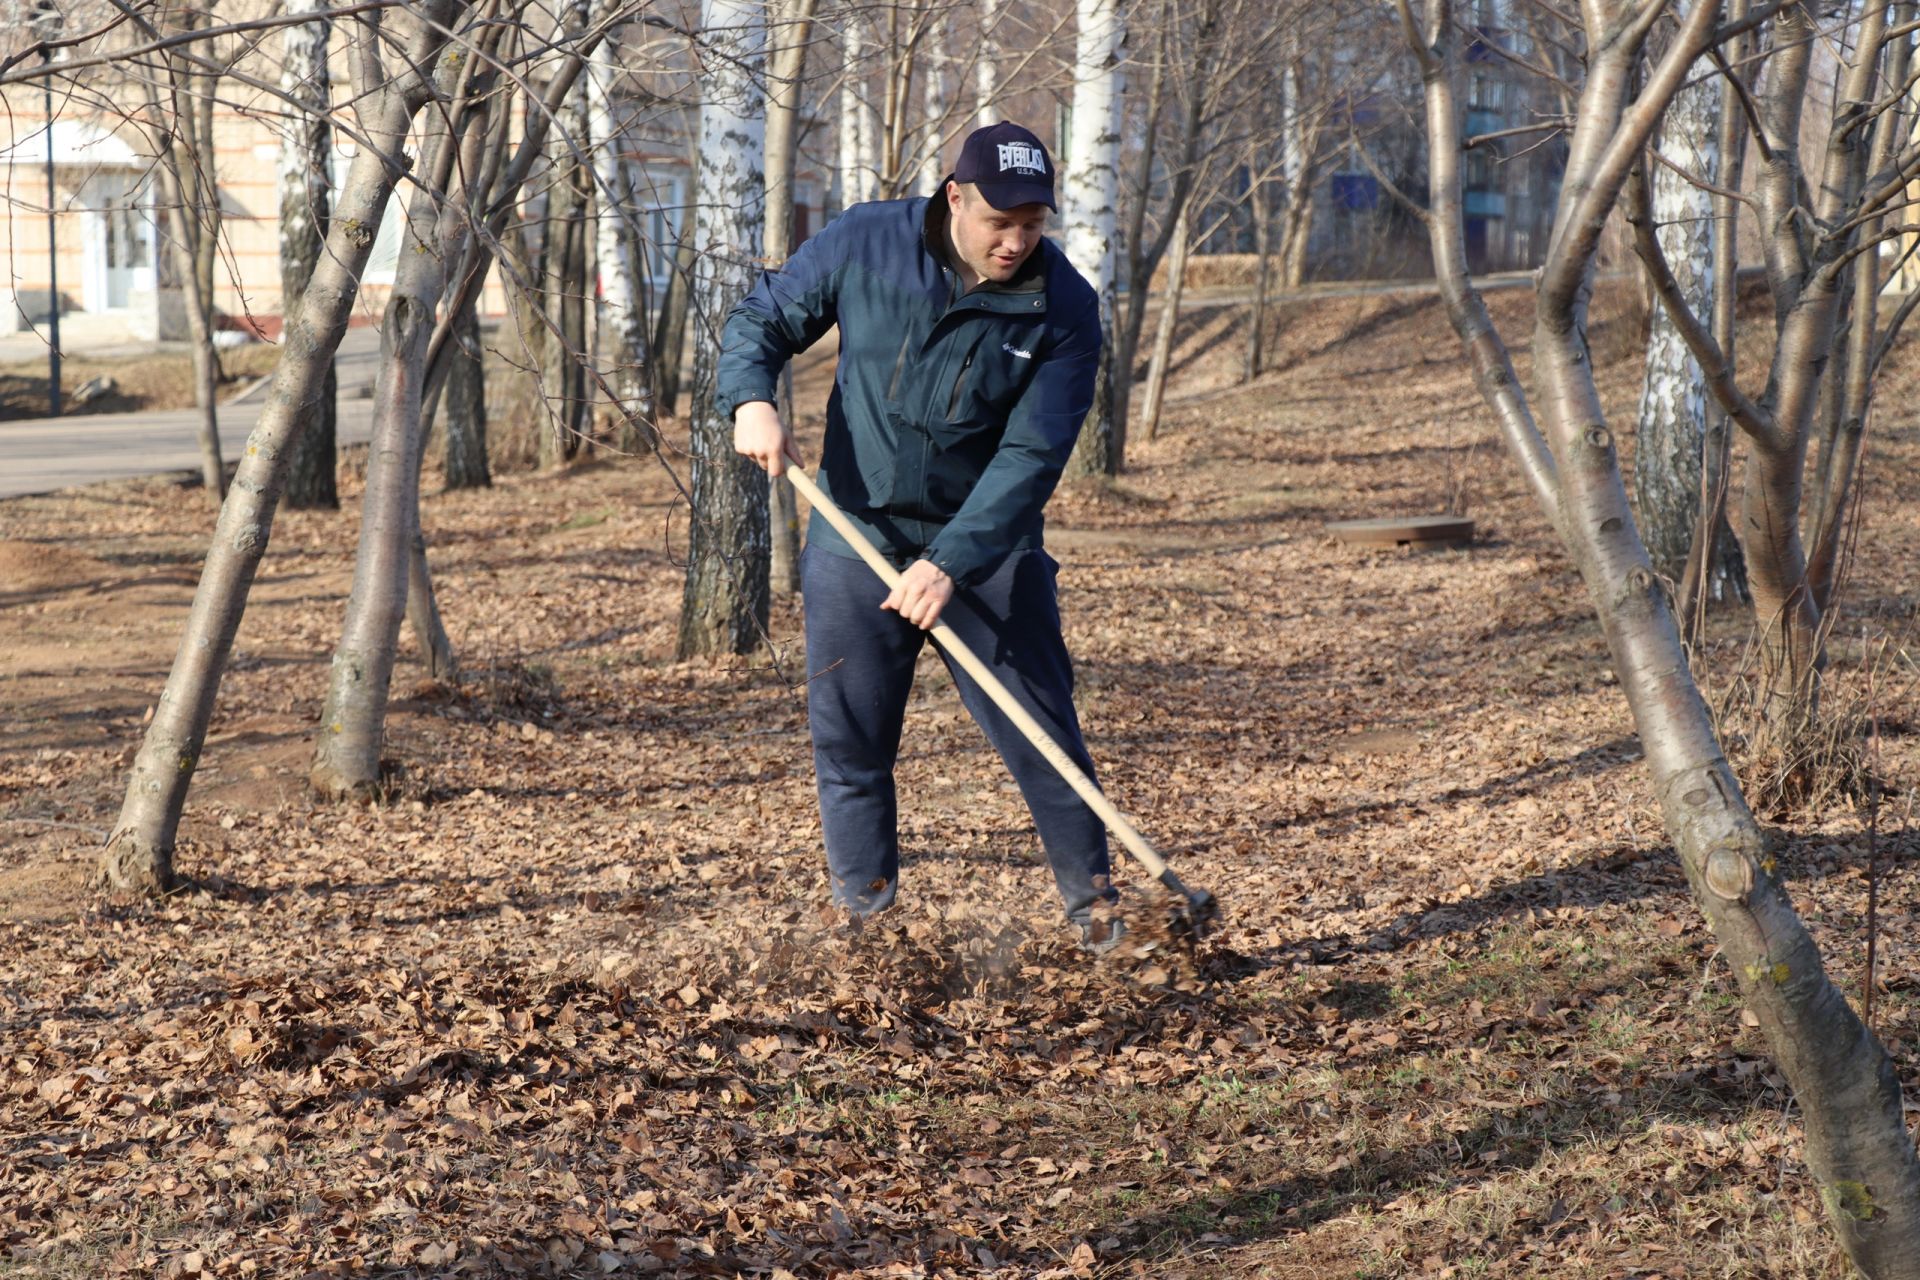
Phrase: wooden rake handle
[1043,742]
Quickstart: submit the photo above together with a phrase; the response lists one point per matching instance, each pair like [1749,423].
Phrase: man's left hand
[923,592]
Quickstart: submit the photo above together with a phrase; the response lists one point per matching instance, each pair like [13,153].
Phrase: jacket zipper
[953,401]
[899,360]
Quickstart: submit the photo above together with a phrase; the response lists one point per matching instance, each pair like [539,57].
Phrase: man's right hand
[759,434]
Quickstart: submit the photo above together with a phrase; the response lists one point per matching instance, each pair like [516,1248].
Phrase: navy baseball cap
[1009,166]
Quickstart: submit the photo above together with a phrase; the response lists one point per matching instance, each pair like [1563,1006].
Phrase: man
[968,353]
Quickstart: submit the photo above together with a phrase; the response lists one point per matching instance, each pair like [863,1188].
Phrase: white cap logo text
[1021,157]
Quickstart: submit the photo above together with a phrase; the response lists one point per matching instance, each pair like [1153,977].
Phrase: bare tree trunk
[846,134]
[986,69]
[305,184]
[206,377]
[724,609]
[1135,191]
[1296,172]
[621,314]
[139,853]
[1669,444]
[190,160]
[868,132]
[896,75]
[1840,448]
[346,758]
[1091,215]
[182,125]
[465,405]
[933,110]
[1715,567]
[1858,1148]
[1162,360]
[792,28]
[563,380]
[1805,302]
[423,606]
[1262,273]
[670,344]
[1296,227]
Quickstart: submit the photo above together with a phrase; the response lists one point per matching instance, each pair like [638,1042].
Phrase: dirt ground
[566,1002]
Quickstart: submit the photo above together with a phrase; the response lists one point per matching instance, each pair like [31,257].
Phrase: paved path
[40,455]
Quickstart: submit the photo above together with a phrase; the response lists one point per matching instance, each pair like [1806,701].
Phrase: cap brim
[1011,195]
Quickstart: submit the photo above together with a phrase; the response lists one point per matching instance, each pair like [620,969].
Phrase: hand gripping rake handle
[1136,844]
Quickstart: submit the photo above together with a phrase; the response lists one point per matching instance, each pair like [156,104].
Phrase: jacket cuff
[729,403]
[964,571]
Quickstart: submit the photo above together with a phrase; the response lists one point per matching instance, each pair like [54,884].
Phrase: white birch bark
[1089,206]
[934,107]
[986,71]
[622,324]
[846,131]
[1293,161]
[865,170]
[724,609]
[1673,393]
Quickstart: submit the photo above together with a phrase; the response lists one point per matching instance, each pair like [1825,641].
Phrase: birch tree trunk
[1858,1150]
[1157,370]
[305,186]
[621,316]
[1296,175]
[1090,214]
[986,69]
[724,608]
[933,112]
[792,29]
[1256,354]
[846,120]
[563,380]
[867,140]
[1715,567]
[139,853]
[1668,448]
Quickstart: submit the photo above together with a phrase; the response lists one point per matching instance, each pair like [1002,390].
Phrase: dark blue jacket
[952,414]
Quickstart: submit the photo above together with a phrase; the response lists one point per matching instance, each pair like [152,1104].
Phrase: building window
[1479,175]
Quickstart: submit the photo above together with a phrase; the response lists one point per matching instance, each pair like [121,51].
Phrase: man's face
[993,242]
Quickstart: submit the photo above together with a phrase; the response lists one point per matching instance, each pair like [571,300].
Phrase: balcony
[1484,204]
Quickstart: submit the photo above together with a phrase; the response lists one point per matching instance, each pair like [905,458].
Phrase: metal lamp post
[48,22]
